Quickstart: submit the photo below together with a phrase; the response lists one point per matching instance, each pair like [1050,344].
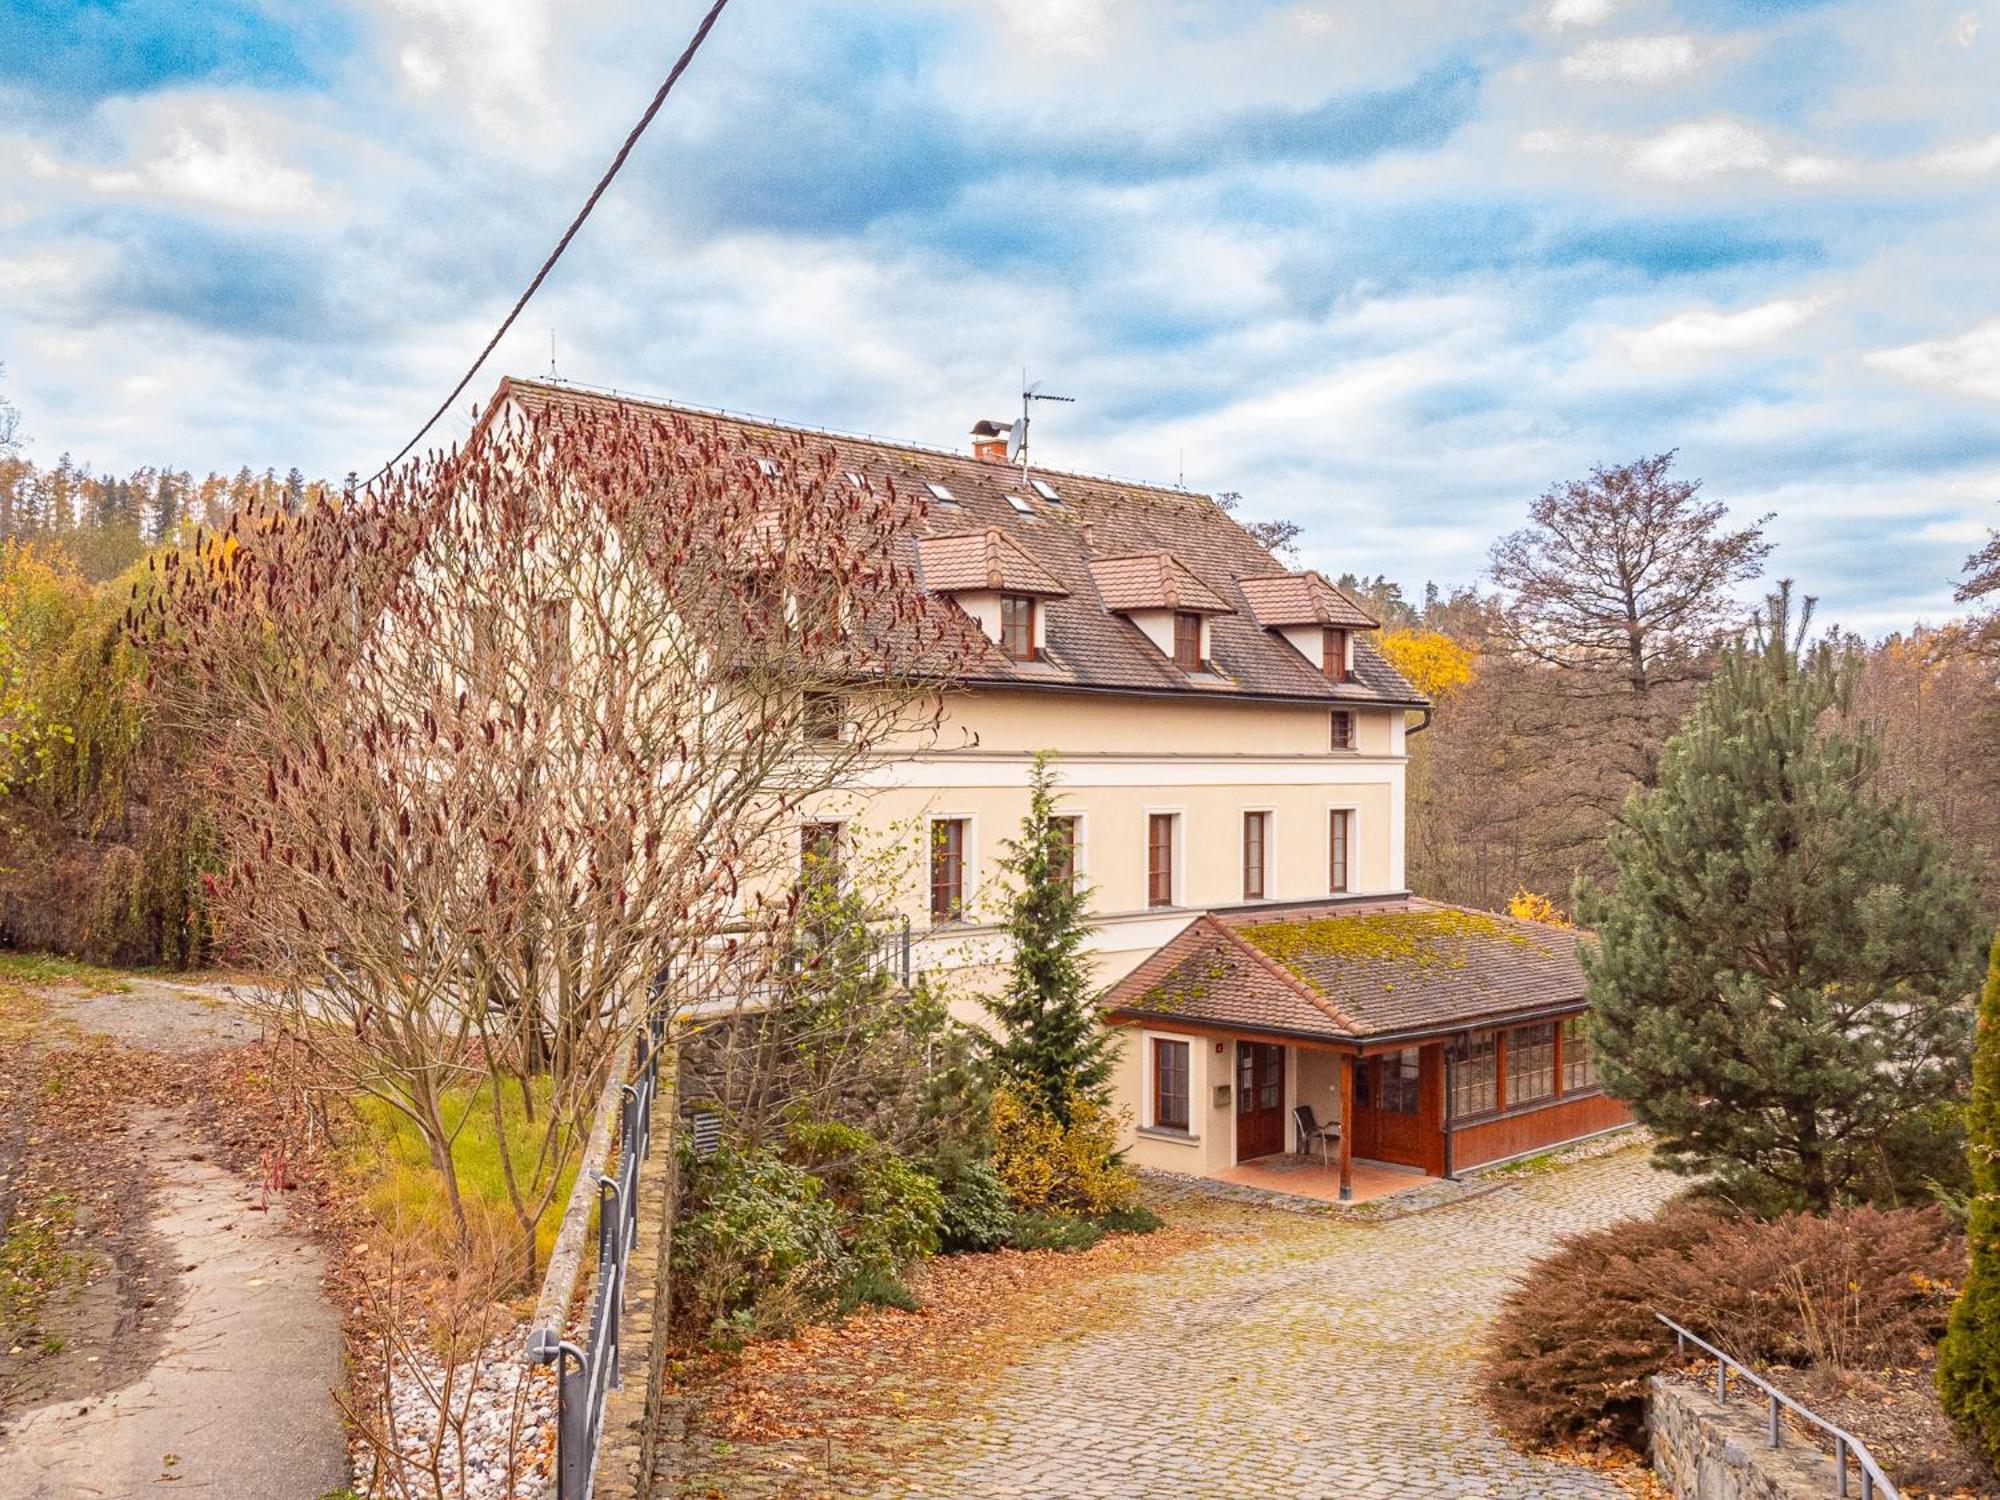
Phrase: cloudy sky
[1387,269]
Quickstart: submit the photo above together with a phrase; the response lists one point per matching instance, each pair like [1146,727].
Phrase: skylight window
[856,480]
[768,467]
[1021,505]
[941,492]
[1046,490]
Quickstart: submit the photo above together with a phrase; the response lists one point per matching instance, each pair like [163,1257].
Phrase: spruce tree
[1779,975]
[1052,1044]
[1968,1369]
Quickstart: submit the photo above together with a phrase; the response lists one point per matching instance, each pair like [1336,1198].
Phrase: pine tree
[1779,974]
[1052,1044]
[1968,1369]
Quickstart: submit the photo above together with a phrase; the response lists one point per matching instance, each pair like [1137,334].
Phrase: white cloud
[1066,28]
[1704,149]
[493,58]
[1968,364]
[1962,31]
[1563,14]
[1632,59]
[1967,157]
[1700,331]
[1811,169]
[199,151]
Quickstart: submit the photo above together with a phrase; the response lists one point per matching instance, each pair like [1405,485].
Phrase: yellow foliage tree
[1435,664]
[1532,906]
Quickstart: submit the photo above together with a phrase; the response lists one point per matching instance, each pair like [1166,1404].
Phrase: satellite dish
[1017,439]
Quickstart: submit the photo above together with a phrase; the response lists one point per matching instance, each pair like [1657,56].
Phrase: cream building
[1231,746]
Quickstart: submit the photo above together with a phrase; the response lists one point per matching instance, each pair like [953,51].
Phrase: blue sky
[1387,270]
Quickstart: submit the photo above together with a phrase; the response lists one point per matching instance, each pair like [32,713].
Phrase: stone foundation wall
[1705,1450]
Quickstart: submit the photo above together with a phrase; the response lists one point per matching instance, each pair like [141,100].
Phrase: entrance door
[1260,1099]
[1388,1107]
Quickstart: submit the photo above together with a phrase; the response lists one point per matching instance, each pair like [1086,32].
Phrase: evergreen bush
[1968,1371]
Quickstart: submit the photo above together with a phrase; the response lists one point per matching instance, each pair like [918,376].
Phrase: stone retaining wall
[1706,1450]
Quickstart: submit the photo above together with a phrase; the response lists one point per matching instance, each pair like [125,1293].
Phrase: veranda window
[1579,1067]
[1170,1084]
[1531,1063]
[1475,1077]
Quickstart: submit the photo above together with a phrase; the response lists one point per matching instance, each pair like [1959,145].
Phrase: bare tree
[527,726]
[1622,586]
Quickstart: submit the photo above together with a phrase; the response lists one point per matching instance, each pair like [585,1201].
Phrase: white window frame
[1270,850]
[1149,1081]
[1353,812]
[1178,895]
[1082,820]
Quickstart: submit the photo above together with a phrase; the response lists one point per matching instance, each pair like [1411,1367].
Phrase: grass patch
[391,1166]
[34,1263]
[1527,1166]
[53,968]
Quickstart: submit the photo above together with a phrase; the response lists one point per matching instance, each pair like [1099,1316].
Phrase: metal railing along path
[1875,1484]
[585,1375]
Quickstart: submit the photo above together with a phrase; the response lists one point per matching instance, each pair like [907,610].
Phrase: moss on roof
[1419,941]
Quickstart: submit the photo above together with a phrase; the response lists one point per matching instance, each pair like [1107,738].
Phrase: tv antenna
[552,356]
[1017,436]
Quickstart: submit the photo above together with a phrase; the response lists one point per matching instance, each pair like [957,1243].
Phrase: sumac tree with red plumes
[525,726]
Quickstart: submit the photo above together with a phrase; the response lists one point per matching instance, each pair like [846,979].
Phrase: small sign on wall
[1222,1096]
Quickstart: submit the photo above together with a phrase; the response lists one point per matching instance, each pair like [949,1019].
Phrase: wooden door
[1388,1108]
[1260,1099]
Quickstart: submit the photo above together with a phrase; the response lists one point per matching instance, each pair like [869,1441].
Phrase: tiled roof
[1303,599]
[1354,972]
[1088,644]
[976,560]
[1153,580]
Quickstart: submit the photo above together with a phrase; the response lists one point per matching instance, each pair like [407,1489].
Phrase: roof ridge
[756,419]
[1316,998]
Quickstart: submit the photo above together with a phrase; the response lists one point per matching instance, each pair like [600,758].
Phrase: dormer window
[1187,640]
[1333,655]
[1017,626]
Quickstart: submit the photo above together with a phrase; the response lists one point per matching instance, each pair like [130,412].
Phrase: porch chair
[1311,1132]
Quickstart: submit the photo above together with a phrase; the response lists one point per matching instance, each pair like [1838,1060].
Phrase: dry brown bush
[1576,1339]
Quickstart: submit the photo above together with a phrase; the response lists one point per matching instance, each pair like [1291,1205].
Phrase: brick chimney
[989,440]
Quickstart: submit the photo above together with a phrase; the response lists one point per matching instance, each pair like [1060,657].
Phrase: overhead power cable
[632,139]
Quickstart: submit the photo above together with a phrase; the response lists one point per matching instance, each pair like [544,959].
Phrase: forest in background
[1557,678]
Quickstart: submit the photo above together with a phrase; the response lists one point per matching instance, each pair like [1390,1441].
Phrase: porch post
[1347,1061]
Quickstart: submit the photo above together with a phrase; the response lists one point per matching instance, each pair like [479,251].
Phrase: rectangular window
[1333,654]
[1343,729]
[1017,626]
[1256,844]
[1401,1073]
[1066,831]
[819,851]
[1579,1067]
[1340,850]
[1170,1084]
[1475,1077]
[1160,859]
[947,869]
[825,718]
[1531,1063]
[1187,641]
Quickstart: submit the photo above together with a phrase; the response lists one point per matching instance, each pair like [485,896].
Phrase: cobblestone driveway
[1293,1357]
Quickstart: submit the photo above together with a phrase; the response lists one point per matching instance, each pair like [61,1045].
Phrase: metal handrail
[1874,1483]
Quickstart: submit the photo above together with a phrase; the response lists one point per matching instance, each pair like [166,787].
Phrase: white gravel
[489,1436]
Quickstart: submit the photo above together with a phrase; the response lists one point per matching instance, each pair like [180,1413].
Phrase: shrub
[1052,1167]
[891,1211]
[1054,1232]
[762,1250]
[873,1289]
[1137,1219]
[975,1212]
[1576,1339]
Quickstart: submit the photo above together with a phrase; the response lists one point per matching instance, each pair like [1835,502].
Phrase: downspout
[1410,729]
[1450,1077]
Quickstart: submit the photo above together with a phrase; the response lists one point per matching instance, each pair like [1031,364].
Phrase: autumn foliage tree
[522,728]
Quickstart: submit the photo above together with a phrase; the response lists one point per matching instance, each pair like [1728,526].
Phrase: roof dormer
[1317,619]
[1157,592]
[997,583]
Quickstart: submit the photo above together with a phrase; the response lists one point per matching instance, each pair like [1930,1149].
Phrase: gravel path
[1292,1357]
